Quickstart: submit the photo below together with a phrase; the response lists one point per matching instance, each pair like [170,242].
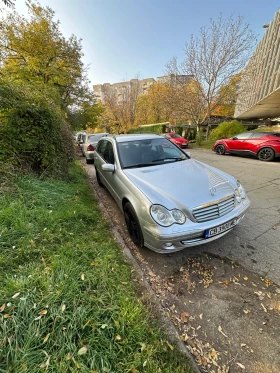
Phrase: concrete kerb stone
[168,325]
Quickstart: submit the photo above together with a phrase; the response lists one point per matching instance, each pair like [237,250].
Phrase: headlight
[239,192]
[165,217]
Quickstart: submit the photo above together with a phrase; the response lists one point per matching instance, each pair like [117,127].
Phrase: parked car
[169,200]
[79,136]
[176,139]
[88,145]
[264,145]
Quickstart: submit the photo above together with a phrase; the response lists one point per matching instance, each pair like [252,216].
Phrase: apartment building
[142,86]
[259,95]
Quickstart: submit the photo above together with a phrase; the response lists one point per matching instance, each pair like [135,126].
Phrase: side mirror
[235,138]
[108,167]
[188,154]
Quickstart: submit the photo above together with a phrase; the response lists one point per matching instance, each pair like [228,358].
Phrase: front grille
[214,210]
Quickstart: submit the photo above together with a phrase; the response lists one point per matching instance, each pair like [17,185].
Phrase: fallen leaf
[15,295]
[117,324]
[145,363]
[265,310]
[63,308]
[200,316]
[170,346]
[124,283]
[44,312]
[82,276]
[69,356]
[221,331]
[143,346]
[103,326]
[240,365]
[2,307]
[246,311]
[118,337]
[184,316]
[82,350]
[46,363]
[246,278]
[6,316]
[38,318]
[46,338]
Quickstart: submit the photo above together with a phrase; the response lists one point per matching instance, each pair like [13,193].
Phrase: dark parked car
[264,145]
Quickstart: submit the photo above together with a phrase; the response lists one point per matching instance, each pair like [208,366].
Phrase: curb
[168,325]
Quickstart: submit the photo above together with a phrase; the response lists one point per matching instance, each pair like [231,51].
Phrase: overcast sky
[125,38]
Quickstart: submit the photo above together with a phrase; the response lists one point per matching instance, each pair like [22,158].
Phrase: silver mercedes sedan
[169,200]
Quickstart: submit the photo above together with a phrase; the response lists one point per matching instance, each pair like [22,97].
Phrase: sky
[123,39]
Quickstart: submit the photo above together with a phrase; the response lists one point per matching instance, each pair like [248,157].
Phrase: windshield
[148,152]
[175,136]
[95,138]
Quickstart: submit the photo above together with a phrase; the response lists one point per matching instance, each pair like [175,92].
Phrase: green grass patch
[67,298]
[204,144]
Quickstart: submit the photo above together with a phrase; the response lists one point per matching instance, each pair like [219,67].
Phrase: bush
[227,129]
[200,137]
[33,135]
[157,128]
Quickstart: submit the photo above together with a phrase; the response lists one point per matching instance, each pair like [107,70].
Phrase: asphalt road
[255,243]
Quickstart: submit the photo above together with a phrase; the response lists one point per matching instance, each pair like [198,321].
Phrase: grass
[67,298]
[204,144]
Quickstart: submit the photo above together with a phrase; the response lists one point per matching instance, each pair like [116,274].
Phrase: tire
[133,225]
[99,182]
[266,154]
[220,149]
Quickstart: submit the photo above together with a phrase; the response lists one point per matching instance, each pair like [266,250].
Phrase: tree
[227,97]
[215,55]
[9,3]
[35,50]
[120,103]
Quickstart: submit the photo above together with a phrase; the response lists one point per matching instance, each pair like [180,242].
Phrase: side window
[101,147]
[257,135]
[109,153]
[243,136]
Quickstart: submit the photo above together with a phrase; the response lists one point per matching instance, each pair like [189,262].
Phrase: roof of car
[136,136]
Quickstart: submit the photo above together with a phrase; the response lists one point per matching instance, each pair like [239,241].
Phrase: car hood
[184,184]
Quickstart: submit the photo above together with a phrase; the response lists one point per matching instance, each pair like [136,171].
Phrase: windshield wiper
[138,165]
[175,159]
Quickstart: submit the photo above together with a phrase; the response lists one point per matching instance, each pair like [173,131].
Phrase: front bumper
[176,238]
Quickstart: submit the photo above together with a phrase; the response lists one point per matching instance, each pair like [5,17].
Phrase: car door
[106,154]
[239,143]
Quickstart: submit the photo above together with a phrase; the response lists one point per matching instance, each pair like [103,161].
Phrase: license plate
[220,228]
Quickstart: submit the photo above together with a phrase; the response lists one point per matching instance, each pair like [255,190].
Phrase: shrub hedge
[33,134]
[227,129]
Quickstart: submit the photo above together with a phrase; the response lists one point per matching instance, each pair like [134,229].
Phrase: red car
[264,145]
[176,139]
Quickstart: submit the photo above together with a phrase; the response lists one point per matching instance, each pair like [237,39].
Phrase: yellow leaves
[2,307]
[246,311]
[82,276]
[46,338]
[240,365]
[245,278]
[69,356]
[170,346]
[118,337]
[63,308]
[15,295]
[83,350]
[44,312]
[117,324]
